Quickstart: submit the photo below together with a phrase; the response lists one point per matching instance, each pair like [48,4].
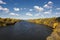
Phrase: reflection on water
[25,30]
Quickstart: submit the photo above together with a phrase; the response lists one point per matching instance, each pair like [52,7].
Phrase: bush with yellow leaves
[55,25]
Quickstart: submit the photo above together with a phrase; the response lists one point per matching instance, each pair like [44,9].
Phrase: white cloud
[42,16]
[48,5]
[29,14]
[57,8]
[1,2]
[24,8]
[13,14]
[57,13]
[30,9]
[4,9]
[40,9]
[17,14]
[37,14]
[16,9]
[48,12]
[1,8]
[21,8]
[50,2]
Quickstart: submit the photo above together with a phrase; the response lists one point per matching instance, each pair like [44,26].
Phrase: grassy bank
[7,21]
[52,22]
[56,32]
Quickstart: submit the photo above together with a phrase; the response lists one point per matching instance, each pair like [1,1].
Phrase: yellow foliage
[37,21]
[46,21]
[7,21]
[55,25]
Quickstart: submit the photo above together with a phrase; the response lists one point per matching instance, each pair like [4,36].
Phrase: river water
[25,31]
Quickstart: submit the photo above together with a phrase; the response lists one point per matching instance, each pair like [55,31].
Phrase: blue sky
[29,9]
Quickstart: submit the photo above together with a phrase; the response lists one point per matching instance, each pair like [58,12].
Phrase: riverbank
[7,21]
[52,22]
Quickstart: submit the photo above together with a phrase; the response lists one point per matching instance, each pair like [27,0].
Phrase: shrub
[55,25]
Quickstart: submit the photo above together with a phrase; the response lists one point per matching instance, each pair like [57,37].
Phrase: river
[25,31]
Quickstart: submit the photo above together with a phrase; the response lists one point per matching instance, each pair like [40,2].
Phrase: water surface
[25,31]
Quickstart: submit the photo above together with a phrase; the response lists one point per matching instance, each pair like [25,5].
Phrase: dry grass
[7,21]
[52,22]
